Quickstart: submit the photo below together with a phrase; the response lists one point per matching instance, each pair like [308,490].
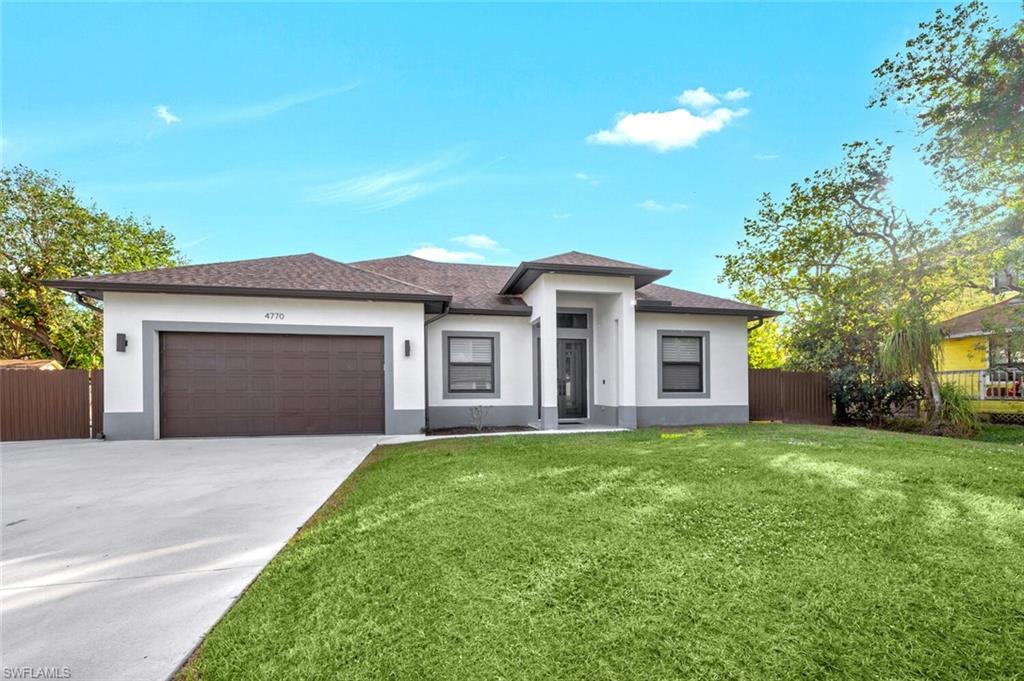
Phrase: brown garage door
[221,384]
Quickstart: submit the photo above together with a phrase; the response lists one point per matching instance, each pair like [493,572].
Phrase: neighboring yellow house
[983,352]
[981,340]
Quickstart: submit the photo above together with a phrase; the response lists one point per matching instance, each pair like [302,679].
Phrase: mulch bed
[467,430]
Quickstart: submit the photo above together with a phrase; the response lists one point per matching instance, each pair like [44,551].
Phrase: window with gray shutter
[682,364]
[470,365]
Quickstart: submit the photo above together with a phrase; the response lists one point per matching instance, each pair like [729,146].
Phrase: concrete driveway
[117,557]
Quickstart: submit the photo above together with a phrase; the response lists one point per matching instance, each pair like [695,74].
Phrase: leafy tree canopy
[962,77]
[47,233]
[852,270]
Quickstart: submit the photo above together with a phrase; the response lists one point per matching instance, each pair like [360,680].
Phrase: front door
[572,378]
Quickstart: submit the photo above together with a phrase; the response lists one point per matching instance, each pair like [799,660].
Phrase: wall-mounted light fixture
[408,348]
[122,342]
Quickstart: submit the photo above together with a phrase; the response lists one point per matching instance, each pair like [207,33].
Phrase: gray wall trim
[148,427]
[692,415]
[534,341]
[549,418]
[407,421]
[605,415]
[497,415]
[127,425]
[706,361]
[617,417]
[494,394]
[627,417]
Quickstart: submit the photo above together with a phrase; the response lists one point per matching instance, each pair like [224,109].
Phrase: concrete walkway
[117,557]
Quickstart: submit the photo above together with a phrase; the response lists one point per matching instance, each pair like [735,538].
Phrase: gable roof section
[587,260]
[658,298]
[1003,315]
[472,287]
[467,288]
[306,276]
[575,262]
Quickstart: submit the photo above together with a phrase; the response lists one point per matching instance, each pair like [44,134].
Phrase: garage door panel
[270,384]
[234,382]
[236,362]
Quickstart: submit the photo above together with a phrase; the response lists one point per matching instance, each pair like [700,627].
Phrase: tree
[854,268]
[46,233]
[963,78]
[765,346]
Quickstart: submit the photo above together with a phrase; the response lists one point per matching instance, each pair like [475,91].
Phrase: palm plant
[913,347]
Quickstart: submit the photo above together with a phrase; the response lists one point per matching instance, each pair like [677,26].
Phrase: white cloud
[655,206]
[264,109]
[196,242]
[765,157]
[736,94]
[561,216]
[389,188]
[698,99]
[699,115]
[164,114]
[439,254]
[666,130]
[478,241]
[584,177]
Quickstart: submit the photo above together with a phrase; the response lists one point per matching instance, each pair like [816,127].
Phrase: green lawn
[1006,434]
[750,552]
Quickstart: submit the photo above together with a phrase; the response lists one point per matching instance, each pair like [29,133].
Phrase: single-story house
[31,364]
[987,338]
[305,344]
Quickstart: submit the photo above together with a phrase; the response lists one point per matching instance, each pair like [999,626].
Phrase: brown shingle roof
[471,286]
[468,287]
[588,260]
[308,274]
[575,262]
[653,297]
[1004,315]
[476,286]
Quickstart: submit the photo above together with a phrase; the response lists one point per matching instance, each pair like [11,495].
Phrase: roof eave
[642,275]
[731,312]
[93,287]
[496,311]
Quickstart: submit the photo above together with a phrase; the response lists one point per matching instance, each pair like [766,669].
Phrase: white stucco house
[306,344]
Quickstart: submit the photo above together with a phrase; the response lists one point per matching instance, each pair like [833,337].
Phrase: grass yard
[748,552]
[1005,434]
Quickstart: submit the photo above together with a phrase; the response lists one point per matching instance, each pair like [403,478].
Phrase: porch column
[548,305]
[627,361]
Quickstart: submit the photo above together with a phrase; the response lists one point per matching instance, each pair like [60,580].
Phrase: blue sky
[495,133]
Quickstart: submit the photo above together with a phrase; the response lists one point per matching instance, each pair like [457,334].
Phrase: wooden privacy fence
[50,405]
[789,396]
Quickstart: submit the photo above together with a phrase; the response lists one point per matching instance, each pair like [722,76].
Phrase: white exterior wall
[727,344]
[125,313]
[515,353]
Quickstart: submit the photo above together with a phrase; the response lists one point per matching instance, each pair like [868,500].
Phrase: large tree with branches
[47,233]
[962,77]
[855,272]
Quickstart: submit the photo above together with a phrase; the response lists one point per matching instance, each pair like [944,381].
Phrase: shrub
[865,396]
[957,416]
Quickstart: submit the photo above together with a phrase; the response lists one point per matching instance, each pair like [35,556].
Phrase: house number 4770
[274,315]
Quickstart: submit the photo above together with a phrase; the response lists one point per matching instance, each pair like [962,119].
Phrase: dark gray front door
[572,378]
